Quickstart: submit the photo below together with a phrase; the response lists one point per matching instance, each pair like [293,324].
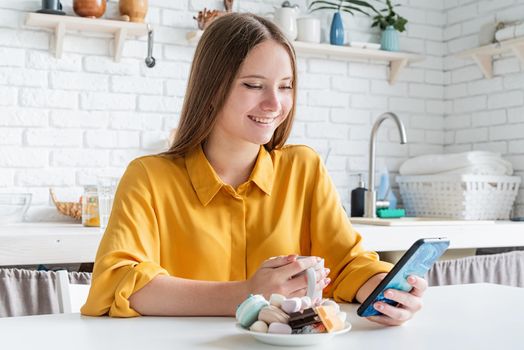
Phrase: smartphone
[416,261]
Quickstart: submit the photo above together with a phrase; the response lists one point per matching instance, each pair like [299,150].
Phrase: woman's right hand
[282,275]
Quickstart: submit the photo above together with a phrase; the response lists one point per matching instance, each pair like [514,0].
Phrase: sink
[417,221]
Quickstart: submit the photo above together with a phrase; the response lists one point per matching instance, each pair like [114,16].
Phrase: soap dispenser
[357,199]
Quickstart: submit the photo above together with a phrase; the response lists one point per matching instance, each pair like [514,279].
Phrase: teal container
[390,40]
[336,35]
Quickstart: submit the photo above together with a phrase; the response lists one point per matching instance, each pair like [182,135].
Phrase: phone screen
[416,261]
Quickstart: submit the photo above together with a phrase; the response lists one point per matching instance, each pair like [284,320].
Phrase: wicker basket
[467,197]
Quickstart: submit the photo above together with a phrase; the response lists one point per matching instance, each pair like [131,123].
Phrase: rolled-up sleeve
[128,257]
[334,239]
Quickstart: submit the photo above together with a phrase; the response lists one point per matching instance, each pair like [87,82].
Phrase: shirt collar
[262,174]
[206,182]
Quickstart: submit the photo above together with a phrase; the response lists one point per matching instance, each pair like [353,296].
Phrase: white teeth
[262,120]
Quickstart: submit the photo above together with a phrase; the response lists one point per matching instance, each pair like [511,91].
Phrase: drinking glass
[106,192]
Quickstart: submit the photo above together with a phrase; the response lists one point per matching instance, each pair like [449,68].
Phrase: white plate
[293,339]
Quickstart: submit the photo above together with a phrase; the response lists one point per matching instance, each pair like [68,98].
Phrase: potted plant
[336,35]
[391,23]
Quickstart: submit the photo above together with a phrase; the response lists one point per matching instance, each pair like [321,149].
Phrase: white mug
[311,275]
[309,30]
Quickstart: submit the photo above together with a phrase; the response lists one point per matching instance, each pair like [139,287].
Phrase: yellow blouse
[176,217]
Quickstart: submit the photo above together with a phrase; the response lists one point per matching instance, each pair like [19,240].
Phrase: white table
[481,316]
[48,243]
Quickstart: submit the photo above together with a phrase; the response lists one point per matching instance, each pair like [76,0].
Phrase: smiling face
[260,99]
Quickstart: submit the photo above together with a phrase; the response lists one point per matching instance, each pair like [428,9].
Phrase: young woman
[225,212]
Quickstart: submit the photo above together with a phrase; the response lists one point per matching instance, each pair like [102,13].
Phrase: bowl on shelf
[72,209]
[13,207]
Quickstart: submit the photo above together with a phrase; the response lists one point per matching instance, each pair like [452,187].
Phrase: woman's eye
[252,86]
[287,87]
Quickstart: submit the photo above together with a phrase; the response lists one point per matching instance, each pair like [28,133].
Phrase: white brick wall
[485,114]
[65,121]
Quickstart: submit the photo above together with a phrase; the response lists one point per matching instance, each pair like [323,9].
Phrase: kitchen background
[65,121]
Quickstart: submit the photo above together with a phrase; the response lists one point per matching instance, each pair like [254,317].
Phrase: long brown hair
[218,56]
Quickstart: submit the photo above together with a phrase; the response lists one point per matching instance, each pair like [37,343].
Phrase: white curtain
[505,268]
[29,292]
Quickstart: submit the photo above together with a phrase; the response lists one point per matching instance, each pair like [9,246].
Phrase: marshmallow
[291,305]
[306,302]
[331,303]
[276,299]
[259,326]
[279,328]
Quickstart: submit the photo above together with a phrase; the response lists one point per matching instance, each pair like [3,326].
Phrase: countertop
[36,243]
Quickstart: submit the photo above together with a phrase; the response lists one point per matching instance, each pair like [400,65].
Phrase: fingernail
[291,257]
[327,280]
[379,306]
[318,259]
[389,294]
[411,279]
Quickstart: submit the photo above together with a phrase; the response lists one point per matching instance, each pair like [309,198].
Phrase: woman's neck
[233,163]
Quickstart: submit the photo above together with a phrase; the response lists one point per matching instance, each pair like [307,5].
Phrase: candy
[312,328]
[270,314]
[247,312]
[303,318]
[328,315]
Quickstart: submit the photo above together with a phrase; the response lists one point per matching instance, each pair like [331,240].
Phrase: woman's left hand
[409,303]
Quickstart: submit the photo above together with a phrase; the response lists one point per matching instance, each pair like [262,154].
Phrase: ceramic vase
[89,8]
[136,10]
[390,40]
[336,35]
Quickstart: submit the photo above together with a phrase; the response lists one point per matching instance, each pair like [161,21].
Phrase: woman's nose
[271,101]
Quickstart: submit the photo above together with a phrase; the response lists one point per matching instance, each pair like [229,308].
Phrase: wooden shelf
[397,60]
[484,55]
[60,24]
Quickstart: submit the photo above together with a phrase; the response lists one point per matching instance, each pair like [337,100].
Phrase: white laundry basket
[467,197]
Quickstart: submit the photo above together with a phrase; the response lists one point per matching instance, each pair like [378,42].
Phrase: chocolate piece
[303,318]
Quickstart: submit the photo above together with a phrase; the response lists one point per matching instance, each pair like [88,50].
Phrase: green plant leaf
[348,8]
[331,3]
[360,3]
[324,8]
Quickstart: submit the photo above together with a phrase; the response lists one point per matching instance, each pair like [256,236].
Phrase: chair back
[71,297]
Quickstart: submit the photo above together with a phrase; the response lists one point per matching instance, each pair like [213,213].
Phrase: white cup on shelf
[308,30]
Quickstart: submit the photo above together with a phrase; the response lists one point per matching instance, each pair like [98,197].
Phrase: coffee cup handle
[311,283]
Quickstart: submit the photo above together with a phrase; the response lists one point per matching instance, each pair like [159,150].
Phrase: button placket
[238,239]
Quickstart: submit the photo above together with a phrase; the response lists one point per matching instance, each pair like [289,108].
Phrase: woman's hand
[282,275]
[409,302]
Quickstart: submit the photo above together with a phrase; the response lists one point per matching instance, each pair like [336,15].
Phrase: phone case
[416,261]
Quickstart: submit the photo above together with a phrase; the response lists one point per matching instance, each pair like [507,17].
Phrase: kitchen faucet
[370,205]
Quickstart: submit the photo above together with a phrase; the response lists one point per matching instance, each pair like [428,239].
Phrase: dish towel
[474,162]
